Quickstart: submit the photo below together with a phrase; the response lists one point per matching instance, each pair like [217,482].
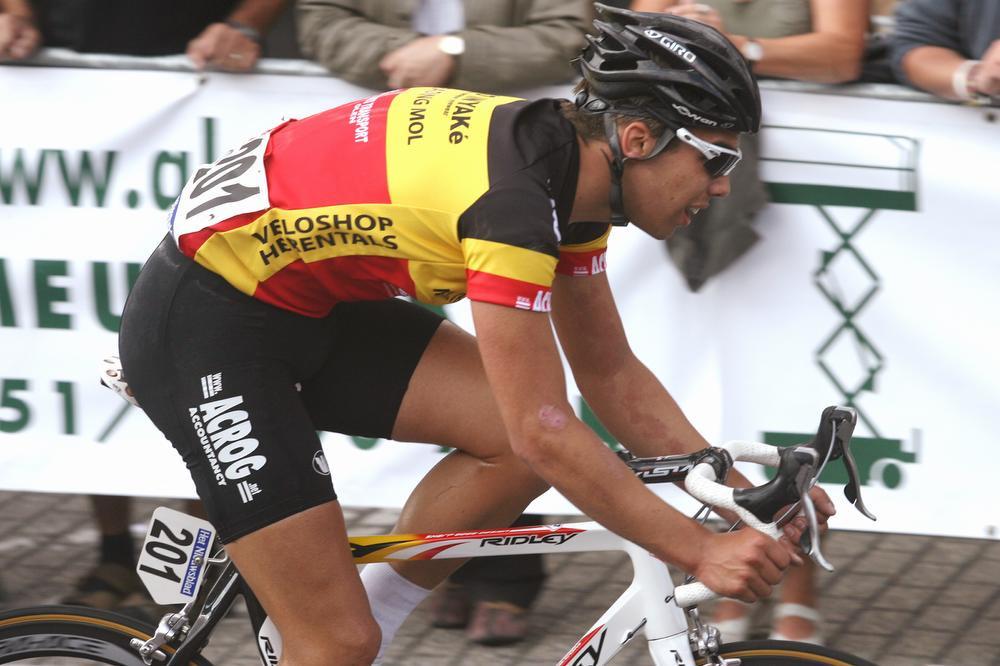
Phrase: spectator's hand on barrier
[418,63]
[699,12]
[744,564]
[225,48]
[19,37]
[985,77]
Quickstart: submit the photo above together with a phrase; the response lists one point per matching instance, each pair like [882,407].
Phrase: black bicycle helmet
[676,70]
[693,75]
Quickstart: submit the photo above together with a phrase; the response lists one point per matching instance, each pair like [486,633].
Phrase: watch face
[753,51]
[452,45]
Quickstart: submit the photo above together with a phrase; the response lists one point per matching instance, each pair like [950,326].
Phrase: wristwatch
[752,50]
[453,45]
[250,33]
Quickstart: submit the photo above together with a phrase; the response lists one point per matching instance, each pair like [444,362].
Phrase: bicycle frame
[647,605]
[674,633]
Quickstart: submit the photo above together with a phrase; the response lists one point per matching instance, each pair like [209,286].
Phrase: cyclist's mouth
[689,214]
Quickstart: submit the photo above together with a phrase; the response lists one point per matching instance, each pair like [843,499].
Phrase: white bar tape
[755,452]
[693,594]
[701,483]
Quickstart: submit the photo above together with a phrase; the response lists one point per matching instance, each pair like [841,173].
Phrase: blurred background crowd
[948,48]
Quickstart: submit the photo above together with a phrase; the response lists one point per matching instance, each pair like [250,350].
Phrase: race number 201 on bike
[179,555]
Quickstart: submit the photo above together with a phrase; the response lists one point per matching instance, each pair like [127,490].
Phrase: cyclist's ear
[637,140]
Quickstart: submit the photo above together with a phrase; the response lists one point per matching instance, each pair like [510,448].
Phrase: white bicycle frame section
[650,605]
[647,606]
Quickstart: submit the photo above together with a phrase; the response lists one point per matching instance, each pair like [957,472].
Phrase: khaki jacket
[509,44]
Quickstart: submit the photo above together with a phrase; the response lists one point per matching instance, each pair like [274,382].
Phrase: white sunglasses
[719,160]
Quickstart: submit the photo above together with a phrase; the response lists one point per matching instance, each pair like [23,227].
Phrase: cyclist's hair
[591,125]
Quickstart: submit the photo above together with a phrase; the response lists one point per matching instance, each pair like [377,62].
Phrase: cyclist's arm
[525,372]
[624,394]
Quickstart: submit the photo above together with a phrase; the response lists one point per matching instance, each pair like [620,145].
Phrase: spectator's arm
[234,45]
[536,53]
[337,35]
[949,74]
[831,53]
[932,68]
[258,14]
[651,5]
[19,36]
[17,7]
[927,48]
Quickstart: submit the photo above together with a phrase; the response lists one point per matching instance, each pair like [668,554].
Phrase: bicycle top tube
[541,539]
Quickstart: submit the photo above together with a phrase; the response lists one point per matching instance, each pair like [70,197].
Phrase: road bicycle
[177,558]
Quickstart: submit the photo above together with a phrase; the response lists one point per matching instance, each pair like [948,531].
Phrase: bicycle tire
[86,635]
[788,653]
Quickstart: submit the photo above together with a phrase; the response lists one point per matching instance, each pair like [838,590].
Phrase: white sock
[392,599]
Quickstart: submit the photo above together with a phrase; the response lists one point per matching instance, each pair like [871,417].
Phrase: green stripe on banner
[833,195]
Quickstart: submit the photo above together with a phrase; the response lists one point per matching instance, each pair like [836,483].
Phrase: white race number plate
[174,555]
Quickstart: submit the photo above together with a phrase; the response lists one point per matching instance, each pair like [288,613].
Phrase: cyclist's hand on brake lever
[825,509]
[745,564]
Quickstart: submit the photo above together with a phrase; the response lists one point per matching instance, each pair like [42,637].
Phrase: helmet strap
[617,166]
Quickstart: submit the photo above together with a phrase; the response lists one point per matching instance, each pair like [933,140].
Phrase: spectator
[808,40]
[113,579]
[460,43]
[18,35]
[949,47]
[225,34]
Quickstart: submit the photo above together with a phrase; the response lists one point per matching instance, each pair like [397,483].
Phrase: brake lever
[844,419]
[810,539]
[853,488]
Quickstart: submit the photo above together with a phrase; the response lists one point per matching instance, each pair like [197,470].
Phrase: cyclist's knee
[355,643]
[522,477]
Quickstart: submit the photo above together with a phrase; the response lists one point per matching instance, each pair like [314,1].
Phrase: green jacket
[509,44]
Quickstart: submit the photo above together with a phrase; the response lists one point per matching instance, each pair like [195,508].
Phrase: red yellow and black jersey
[431,193]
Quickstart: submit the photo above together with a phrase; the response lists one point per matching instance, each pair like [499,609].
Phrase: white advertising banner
[875,284]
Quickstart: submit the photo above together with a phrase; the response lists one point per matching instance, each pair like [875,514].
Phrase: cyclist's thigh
[216,370]
[375,348]
[396,371]
[449,400]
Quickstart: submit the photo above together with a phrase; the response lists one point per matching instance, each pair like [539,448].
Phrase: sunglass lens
[721,165]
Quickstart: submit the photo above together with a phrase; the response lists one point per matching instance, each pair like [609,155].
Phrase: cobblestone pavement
[896,600]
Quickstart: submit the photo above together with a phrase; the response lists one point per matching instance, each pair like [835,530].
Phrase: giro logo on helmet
[670,44]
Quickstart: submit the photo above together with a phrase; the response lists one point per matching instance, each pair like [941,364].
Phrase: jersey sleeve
[511,247]
[583,251]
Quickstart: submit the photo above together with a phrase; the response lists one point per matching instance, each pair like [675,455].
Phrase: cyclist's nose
[719,187]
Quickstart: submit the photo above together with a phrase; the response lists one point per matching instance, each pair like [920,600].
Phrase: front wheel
[787,653]
[72,636]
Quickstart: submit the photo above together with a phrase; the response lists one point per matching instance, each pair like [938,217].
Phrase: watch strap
[244,29]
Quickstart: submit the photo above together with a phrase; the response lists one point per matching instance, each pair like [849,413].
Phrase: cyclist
[267,313]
